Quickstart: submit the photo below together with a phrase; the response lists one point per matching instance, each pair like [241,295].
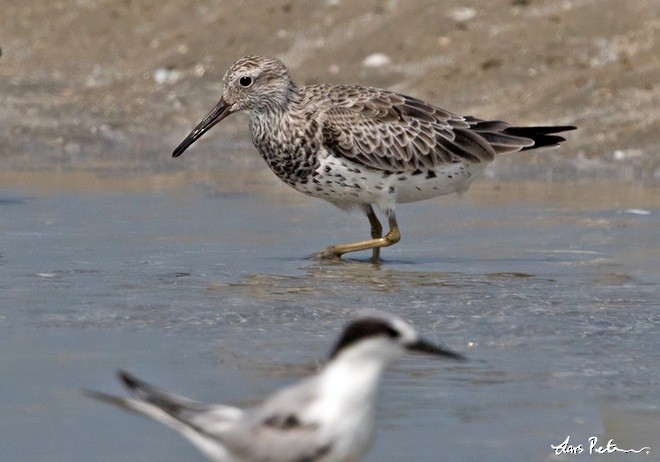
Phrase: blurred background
[110,87]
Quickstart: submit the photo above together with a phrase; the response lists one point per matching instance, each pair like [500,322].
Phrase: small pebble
[168,76]
[376,60]
[462,14]
[444,41]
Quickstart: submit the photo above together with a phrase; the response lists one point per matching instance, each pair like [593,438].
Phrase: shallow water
[209,295]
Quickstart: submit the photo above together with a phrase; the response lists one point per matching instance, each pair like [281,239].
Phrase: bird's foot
[331,255]
[328,254]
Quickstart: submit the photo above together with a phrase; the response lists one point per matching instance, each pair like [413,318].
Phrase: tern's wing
[198,422]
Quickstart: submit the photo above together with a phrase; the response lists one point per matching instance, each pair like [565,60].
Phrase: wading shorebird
[328,417]
[358,146]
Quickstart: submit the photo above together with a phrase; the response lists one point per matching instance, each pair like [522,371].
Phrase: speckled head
[254,83]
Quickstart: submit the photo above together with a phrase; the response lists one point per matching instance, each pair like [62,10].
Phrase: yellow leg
[392,237]
[376,232]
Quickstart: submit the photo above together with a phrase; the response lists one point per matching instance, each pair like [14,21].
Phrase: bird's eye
[245,81]
[393,333]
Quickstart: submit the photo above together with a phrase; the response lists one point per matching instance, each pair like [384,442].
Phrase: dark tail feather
[168,402]
[542,136]
[143,392]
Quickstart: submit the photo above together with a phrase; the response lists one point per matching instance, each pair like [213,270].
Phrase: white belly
[347,184]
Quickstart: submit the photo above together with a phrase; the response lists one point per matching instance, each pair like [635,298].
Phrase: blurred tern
[328,417]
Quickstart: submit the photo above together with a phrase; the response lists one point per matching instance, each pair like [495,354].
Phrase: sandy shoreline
[116,85]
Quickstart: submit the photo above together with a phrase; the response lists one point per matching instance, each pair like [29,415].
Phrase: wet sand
[209,294]
[117,85]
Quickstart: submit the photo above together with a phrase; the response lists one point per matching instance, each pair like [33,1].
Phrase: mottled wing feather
[392,132]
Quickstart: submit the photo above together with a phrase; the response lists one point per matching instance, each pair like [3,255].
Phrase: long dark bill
[219,112]
[424,346]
